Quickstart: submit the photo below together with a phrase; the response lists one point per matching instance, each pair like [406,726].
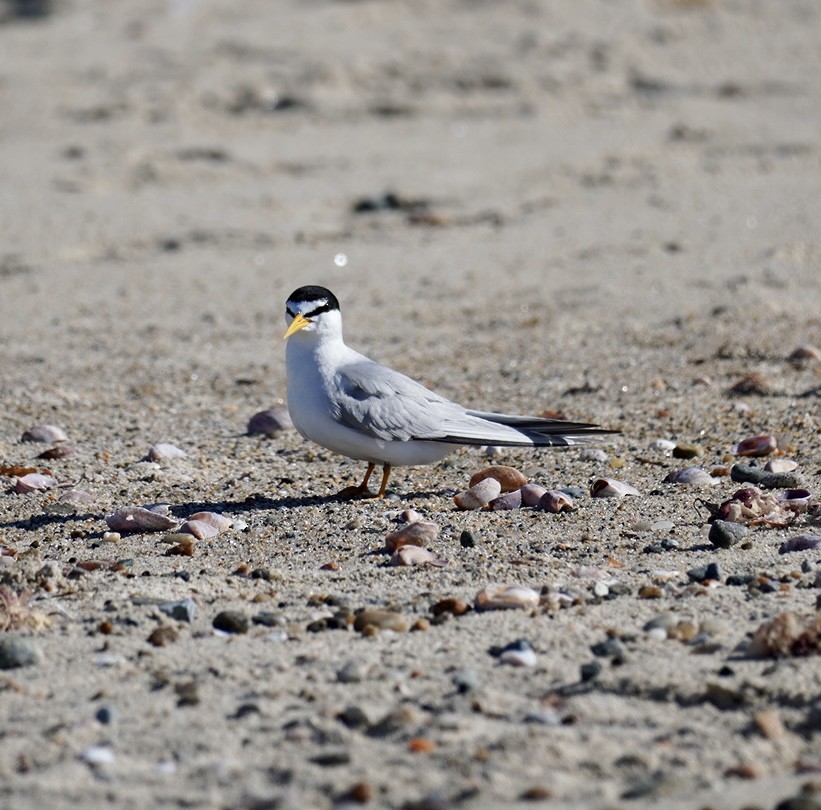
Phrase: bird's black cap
[326,301]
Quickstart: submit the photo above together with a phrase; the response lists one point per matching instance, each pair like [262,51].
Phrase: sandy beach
[607,211]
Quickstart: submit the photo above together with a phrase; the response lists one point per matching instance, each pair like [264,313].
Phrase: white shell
[611,488]
[694,476]
[506,597]
[415,555]
[165,452]
[780,465]
[149,518]
[32,482]
[45,434]
[478,495]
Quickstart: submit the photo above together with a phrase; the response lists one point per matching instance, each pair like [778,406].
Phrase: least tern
[353,406]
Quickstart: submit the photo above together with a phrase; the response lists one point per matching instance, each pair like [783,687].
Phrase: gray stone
[18,651]
[184,610]
[725,534]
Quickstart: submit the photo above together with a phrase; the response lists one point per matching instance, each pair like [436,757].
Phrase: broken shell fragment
[151,518]
[33,482]
[44,434]
[57,452]
[556,501]
[755,446]
[506,597]
[509,478]
[532,494]
[478,495]
[419,533]
[213,519]
[519,653]
[507,501]
[611,488]
[380,620]
[416,555]
[805,352]
[694,476]
[269,423]
[164,452]
[781,465]
[199,529]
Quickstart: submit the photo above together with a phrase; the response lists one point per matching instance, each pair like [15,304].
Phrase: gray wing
[381,402]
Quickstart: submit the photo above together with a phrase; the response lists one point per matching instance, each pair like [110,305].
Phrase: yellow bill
[299,322]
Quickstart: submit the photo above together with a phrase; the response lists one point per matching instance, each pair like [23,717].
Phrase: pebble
[725,534]
[704,572]
[803,542]
[531,494]
[44,434]
[185,545]
[506,502]
[650,592]
[418,533]
[684,450]
[465,680]
[593,454]
[353,717]
[589,671]
[380,620]
[747,474]
[665,445]
[18,651]
[354,671]
[573,492]
[163,636]
[163,451]
[556,501]
[231,621]
[466,539]
[183,610]
[504,597]
[148,518]
[769,724]
[611,648]
[693,476]
[478,495]
[657,633]
[105,715]
[519,653]
[611,488]
[112,537]
[451,605]
[58,452]
[781,465]
[34,482]
[269,423]
[509,478]
[415,555]
[762,445]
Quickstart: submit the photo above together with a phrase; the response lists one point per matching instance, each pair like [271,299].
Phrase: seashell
[419,533]
[781,465]
[416,555]
[213,519]
[532,494]
[381,620]
[754,383]
[665,445]
[755,446]
[510,500]
[150,518]
[556,501]
[804,542]
[410,516]
[506,597]
[508,477]
[478,495]
[270,422]
[805,352]
[60,451]
[79,496]
[164,452]
[796,497]
[44,434]
[199,529]
[519,653]
[694,476]
[33,482]
[611,488]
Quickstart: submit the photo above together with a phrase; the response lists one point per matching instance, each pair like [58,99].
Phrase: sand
[607,210]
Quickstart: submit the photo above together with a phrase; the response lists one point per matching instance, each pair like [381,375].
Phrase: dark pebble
[353,717]
[619,589]
[725,534]
[267,619]
[612,648]
[748,474]
[331,759]
[17,651]
[231,621]
[185,576]
[465,680]
[802,802]
[740,579]
[703,572]
[589,671]
[105,715]
[244,710]
[574,492]
[467,540]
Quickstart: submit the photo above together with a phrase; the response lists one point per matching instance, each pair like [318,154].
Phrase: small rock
[18,651]
[44,434]
[450,605]
[702,573]
[803,353]
[769,724]
[519,653]
[465,680]
[684,450]
[353,717]
[149,518]
[105,715]
[466,539]
[745,473]
[650,592]
[98,755]
[231,621]
[724,534]
[509,478]
[184,610]
[269,423]
[58,452]
[665,445]
[163,636]
[589,671]
[803,542]
[415,555]
[478,495]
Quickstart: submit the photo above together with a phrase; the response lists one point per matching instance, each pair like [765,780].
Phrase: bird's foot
[356,491]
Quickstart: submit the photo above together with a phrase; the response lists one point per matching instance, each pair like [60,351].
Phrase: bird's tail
[542,432]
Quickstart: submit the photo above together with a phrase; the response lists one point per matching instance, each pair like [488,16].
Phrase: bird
[344,401]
